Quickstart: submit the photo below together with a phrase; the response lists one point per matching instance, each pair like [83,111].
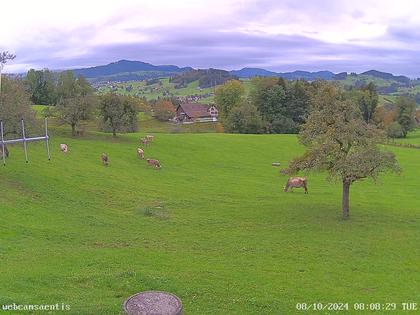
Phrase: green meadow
[213,226]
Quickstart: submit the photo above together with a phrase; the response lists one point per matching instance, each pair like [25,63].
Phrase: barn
[192,112]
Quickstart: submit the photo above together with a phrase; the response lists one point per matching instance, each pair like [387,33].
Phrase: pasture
[213,226]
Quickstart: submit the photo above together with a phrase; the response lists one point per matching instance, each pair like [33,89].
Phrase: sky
[278,35]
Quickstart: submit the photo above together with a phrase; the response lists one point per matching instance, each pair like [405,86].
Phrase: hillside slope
[213,226]
[125,70]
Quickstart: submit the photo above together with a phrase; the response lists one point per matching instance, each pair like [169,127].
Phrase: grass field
[213,227]
[413,137]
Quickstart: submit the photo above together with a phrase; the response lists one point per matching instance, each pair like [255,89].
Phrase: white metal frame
[24,140]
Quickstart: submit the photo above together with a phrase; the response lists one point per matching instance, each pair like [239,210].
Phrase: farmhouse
[191,112]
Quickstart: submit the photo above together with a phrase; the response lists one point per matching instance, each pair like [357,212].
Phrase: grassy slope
[223,237]
[413,137]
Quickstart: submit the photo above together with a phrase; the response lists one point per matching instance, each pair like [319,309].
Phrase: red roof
[195,110]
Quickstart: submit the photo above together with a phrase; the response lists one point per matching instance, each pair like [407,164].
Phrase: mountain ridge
[125,70]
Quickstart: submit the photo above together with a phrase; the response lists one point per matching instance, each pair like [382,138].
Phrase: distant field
[146,122]
[165,88]
[351,80]
[213,226]
[412,138]
[386,99]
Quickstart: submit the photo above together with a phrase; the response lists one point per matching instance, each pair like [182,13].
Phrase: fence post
[24,141]
[46,139]
[2,143]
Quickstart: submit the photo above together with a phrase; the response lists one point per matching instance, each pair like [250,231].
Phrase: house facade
[192,112]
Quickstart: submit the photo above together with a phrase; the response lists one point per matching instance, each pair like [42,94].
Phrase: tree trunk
[73,129]
[346,198]
[114,132]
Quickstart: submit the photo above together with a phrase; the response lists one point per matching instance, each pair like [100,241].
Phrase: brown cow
[296,182]
[145,141]
[153,162]
[140,153]
[104,159]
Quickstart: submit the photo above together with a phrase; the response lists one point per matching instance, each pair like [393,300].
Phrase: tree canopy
[339,141]
[42,86]
[405,114]
[244,118]
[14,106]
[229,95]
[76,99]
[164,110]
[119,113]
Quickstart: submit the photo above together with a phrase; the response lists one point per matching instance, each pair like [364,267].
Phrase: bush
[394,130]
[48,112]
[282,124]
[244,118]
[164,110]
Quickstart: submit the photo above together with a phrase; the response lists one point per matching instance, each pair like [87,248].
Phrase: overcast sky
[336,35]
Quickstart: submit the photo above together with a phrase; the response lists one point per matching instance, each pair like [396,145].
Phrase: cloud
[288,35]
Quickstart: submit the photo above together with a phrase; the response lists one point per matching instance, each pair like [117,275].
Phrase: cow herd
[292,182]
[140,152]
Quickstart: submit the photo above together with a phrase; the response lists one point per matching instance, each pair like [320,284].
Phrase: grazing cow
[150,138]
[140,153]
[296,182]
[145,141]
[104,159]
[64,148]
[154,163]
[6,151]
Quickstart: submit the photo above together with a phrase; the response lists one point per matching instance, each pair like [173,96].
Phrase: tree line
[275,105]
[72,100]
[269,105]
[75,101]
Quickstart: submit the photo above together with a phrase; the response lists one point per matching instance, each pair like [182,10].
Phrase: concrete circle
[153,303]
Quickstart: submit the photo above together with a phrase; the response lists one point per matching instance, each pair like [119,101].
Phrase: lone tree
[14,106]
[14,101]
[406,113]
[228,96]
[76,99]
[5,56]
[339,141]
[119,113]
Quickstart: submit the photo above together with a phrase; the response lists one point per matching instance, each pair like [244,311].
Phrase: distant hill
[181,77]
[125,70]
[387,76]
[253,72]
[205,77]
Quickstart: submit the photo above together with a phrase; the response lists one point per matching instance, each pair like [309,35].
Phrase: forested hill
[206,78]
[126,70]
[295,75]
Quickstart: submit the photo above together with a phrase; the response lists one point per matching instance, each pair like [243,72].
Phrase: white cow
[140,153]
[64,148]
